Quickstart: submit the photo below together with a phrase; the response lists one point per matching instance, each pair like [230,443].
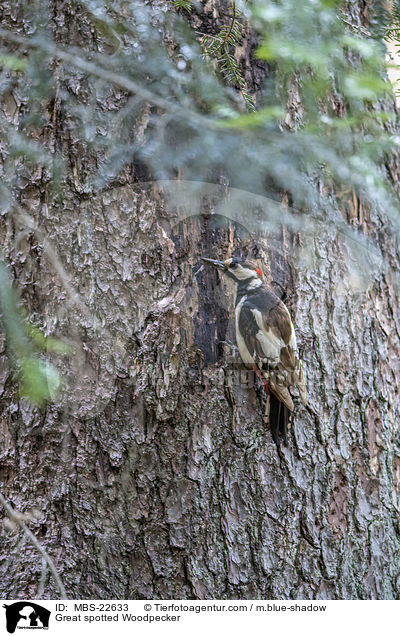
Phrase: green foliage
[318,56]
[390,21]
[183,4]
[155,58]
[13,63]
[39,381]
[221,48]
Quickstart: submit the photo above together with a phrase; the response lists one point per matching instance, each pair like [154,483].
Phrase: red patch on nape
[259,272]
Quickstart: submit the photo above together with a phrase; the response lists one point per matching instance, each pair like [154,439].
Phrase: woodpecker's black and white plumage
[266,339]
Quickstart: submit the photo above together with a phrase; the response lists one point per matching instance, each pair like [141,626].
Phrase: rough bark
[154,476]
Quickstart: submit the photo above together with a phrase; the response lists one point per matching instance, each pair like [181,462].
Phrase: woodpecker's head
[238,270]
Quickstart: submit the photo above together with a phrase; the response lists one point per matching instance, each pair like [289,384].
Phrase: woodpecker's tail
[278,419]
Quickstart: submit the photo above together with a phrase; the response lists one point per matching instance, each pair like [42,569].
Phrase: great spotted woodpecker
[266,340]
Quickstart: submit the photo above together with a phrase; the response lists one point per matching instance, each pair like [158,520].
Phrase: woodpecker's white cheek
[242,273]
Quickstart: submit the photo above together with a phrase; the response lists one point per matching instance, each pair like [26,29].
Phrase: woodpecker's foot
[260,375]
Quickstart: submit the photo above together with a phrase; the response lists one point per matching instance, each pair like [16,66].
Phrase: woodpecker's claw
[219,264]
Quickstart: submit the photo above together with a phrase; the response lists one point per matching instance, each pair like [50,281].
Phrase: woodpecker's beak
[219,264]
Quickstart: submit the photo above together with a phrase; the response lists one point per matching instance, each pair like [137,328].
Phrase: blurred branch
[73,57]
[197,127]
[64,278]
[17,518]
[43,576]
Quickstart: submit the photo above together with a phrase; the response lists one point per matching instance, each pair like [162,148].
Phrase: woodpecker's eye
[233,266]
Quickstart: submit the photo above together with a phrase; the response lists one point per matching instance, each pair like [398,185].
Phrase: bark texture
[154,476]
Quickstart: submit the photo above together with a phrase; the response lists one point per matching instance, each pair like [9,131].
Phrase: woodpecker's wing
[289,365]
[269,341]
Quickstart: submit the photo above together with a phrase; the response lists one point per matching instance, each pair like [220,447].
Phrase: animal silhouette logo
[26,615]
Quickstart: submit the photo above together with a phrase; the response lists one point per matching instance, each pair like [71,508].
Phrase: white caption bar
[21,617]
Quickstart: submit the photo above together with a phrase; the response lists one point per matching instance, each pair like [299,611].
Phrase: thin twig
[43,577]
[232,23]
[74,299]
[65,279]
[16,518]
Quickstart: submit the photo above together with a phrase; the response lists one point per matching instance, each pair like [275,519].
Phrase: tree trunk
[154,475]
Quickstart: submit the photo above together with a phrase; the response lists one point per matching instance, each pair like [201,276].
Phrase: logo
[26,615]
